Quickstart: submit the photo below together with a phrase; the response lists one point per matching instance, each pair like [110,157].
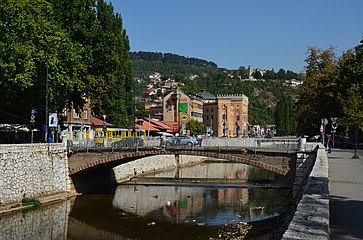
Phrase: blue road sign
[104,121]
[33,111]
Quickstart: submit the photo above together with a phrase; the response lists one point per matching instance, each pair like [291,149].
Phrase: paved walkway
[346,194]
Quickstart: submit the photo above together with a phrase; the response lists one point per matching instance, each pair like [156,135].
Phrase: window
[75,114]
[85,114]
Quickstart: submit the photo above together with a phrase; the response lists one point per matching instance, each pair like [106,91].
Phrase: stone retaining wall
[311,219]
[32,170]
[152,164]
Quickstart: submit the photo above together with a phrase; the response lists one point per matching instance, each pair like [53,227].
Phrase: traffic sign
[324,121]
[104,117]
[33,111]
[32,118]
[321,128]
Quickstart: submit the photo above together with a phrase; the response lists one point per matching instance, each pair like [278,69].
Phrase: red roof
[145,126]
[99,122]
[160,125]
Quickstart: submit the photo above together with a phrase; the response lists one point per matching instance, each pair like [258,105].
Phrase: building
[176,110]
[225,115]
[196,108]
[232,115]
[78,125]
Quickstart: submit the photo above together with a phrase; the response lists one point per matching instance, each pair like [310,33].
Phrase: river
[201,202]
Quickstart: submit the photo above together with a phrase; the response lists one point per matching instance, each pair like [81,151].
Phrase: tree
[351,89]
[195,127]
[318,97]
[113,48]
[281,74]
[353,111]
[243,72]
[284,120]
[30,39]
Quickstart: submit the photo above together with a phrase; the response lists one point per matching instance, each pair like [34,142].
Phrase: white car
[184,140]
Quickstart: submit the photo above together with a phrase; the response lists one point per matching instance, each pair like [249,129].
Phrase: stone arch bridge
[85,167]
[279,163]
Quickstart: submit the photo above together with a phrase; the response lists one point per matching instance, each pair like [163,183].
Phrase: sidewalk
[346,194]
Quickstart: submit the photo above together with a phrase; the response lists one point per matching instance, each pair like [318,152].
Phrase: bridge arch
[280,166]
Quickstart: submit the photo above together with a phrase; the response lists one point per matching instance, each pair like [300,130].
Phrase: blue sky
[232,33]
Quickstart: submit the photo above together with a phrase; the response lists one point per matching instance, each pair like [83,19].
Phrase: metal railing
[255,144]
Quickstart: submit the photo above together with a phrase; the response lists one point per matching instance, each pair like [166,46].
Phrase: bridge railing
[256,144]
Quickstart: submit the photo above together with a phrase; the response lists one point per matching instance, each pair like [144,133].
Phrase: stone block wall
[311,219]
[150,164]
[32,170]
[304,164]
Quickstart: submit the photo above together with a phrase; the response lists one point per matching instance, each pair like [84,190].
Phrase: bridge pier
[177,166]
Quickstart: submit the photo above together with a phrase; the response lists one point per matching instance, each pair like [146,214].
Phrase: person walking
[329,143]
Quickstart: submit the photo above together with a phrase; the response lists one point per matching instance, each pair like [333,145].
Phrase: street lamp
[134,115]
[46,97]
[334,126]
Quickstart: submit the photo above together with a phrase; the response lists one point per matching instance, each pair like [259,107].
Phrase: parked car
[184,140]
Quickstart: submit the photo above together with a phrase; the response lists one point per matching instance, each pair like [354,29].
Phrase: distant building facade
[78,125]
[232,115]
[176,110]
[225,115]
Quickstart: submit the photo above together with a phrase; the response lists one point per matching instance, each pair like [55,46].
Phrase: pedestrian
[329,143]
[199,140]
[162,141]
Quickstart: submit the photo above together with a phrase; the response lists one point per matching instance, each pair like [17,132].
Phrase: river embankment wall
[33,171]
[152,164]
[311,218]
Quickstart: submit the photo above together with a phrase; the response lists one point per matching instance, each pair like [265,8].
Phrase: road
[346,194]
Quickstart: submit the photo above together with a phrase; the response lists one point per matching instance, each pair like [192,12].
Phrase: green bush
[30,201]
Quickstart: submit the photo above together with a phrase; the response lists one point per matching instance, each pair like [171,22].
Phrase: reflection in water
[183,212]
[209,206]
[159,212]
[48,222]
[218,170]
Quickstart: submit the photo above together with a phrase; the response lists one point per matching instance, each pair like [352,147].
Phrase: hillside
[169,65]
[263,94]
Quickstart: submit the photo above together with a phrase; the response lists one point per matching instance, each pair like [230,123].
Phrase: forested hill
[169,65]
[170,58]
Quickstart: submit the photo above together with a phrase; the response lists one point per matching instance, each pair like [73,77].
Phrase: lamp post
[334,126]
[46,96]
[134,115]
